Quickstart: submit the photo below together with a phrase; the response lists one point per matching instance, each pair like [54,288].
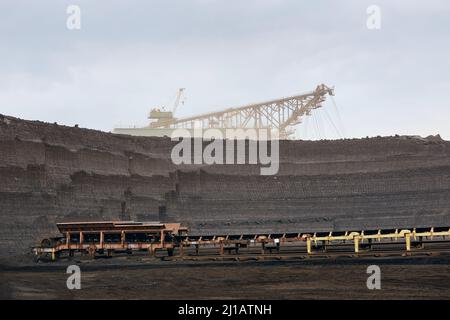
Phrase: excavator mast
[161,115]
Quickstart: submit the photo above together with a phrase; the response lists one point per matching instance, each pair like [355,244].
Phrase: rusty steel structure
[280,114]
[106,238]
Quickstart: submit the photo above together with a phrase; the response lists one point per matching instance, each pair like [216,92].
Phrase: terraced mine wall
[51,173]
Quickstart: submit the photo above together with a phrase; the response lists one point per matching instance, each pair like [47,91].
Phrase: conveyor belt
[400,241]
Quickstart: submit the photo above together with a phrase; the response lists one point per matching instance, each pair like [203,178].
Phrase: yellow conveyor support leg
[308,245]
[356,240]
[408,241]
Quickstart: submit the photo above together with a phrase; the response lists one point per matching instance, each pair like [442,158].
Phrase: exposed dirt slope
[53,173]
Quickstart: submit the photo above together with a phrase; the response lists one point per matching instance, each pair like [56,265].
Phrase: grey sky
[132,55]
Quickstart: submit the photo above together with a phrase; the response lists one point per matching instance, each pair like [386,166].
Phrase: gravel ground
[138,278]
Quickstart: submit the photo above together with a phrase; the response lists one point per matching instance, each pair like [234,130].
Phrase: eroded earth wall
[51,173]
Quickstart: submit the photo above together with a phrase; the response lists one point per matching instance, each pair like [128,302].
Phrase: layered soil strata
[51,173]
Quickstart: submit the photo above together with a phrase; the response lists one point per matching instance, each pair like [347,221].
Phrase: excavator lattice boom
[277,114]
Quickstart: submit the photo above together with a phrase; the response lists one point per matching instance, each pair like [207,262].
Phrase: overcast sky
[130,55]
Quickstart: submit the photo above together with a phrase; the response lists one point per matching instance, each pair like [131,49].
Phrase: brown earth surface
[51,173]
[400,279]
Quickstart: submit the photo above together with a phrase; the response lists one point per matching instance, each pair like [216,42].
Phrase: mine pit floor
[144,278]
